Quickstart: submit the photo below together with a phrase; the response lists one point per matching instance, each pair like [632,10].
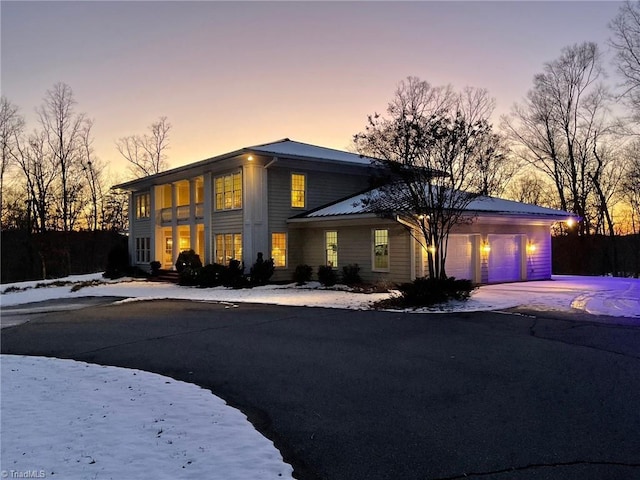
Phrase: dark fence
[55,254]
[596,255]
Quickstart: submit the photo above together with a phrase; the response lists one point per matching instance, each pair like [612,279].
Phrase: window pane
[381,249]
[297,190]
[220,249]
[237,246]
[331,242]
[279,249]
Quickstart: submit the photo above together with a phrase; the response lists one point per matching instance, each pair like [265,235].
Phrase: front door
[167,260]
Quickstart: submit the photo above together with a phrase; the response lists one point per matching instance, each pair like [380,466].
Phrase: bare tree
[529,187]
[146,153]
[626,45]
[63,128]
[93,170]
[429,148]
[11,128]
[562,123]
[40,174]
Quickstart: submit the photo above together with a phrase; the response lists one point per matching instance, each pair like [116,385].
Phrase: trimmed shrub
[188,259]
[155,267]
[190,277]
[302,274]
[233,275]
[351,274]
[211,275]
[262,270]
[425,292]
[327,276]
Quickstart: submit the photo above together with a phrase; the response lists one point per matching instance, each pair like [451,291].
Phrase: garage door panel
[459,257]
[504,258]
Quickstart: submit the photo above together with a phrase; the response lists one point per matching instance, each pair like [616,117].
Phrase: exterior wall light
[570,222]
[250,158]
[486,248]
[432,249]
[531,248]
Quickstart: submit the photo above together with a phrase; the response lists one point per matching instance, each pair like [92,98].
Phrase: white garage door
[504,258]
[459,252]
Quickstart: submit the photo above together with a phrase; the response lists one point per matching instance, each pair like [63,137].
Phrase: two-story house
[300,204]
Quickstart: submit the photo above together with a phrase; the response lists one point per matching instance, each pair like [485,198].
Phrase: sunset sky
[229,75]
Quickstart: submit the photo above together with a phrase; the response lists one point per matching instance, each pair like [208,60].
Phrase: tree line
[51,178]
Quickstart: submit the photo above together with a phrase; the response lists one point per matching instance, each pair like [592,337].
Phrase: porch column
[132,239]
[193,231]
[207,208]
[174,225]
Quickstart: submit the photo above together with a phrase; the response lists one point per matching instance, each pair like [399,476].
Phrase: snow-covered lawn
[72,420]
[65,419]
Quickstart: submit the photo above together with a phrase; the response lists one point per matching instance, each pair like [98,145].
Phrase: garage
[505,258]
[459,262]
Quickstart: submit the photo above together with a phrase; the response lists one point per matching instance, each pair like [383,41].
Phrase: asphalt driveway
[374,395]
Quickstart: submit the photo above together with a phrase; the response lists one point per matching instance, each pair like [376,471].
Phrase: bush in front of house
[262,270]
[211,275]
[233,275]
[426,292]
[188,259]
[351,274]
[190,277]
[327,276]
[155,268]
[302,274]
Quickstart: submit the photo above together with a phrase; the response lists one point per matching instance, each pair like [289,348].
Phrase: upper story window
[331,248]
[298,190]
[143,205]
[381,250]
[229,191]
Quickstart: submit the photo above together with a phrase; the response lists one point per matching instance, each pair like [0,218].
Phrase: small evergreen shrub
[327,276]
[188,259]
[190,276]
[262,270]
[233,275]
[211,275]
[426,292]
[302,274]
[155,267]
[351,274]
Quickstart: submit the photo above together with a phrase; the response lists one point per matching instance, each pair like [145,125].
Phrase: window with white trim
[381,250]
[143,205]
[228,246]
[143,250]
[298,190]
[331,249]
[279,249]
[229,191]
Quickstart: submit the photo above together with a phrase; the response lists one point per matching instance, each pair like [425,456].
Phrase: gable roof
[481,206]
[284,148]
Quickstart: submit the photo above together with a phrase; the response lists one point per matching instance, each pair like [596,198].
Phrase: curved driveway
[375,395]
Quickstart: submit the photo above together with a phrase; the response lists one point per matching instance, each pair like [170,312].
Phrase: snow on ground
[112,423]
[117,423]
